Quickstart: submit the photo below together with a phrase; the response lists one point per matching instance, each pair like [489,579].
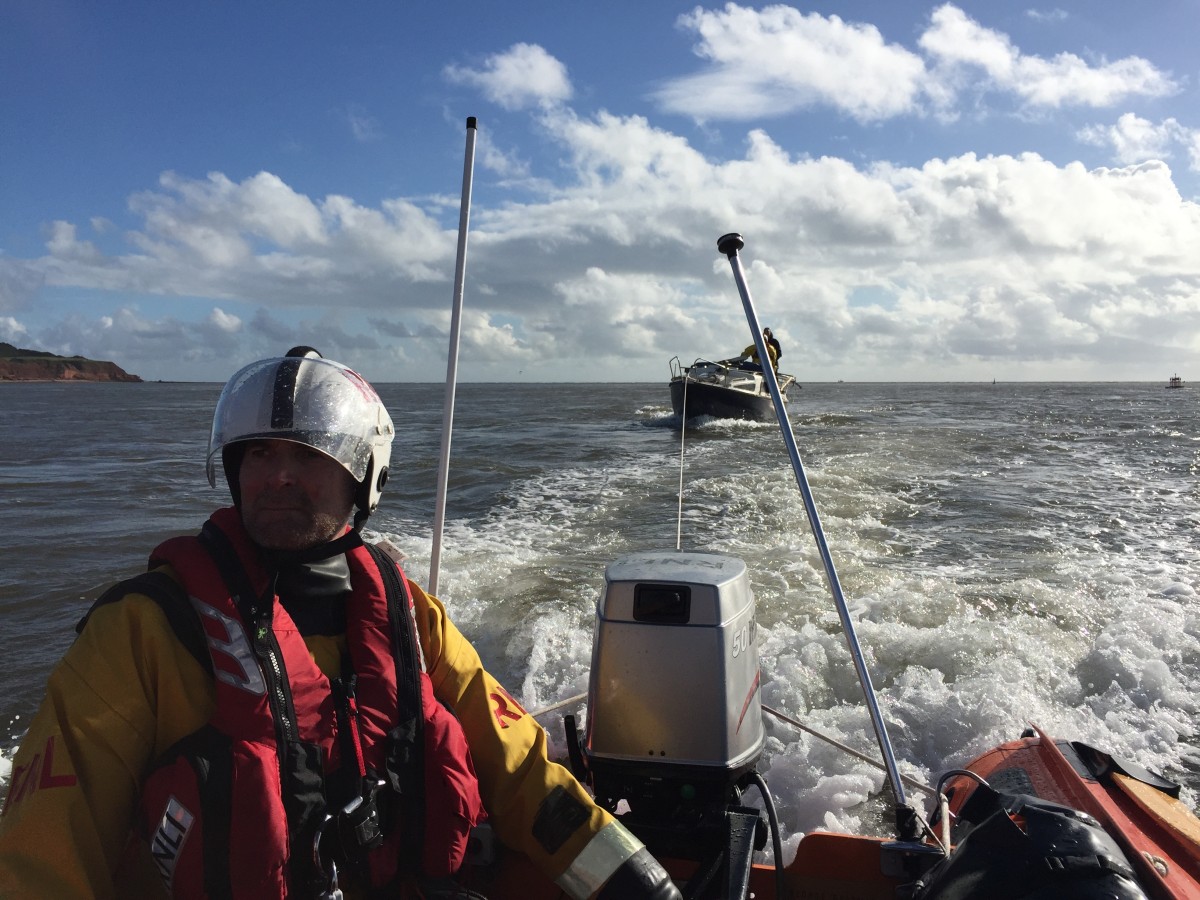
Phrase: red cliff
[36,365]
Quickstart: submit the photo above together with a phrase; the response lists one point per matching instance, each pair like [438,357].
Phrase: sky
[927,192]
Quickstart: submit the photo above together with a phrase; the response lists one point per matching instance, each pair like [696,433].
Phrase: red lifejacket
[234,810]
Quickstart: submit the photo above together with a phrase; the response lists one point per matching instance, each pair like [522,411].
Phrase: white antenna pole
[460,268]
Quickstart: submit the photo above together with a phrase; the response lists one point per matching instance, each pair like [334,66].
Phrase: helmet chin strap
[362,494]
[337,547]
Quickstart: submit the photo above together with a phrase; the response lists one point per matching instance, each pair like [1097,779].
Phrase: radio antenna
[906,815]
[460,269]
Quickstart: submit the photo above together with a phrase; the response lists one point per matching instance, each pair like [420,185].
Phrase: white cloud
[488,339]
[191,211]
[619,266]
[1193,148]
[505,163]
[19,283]
[1048,15]
[63,243]
[773,61]
[954,40]
[123,335]
[363,126]
[12,331]
[256,239]
[1134,139]
[524,75]
[224,321]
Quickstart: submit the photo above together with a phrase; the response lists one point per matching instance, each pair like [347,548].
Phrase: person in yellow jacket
[772,351]
[287,431]
[773,347]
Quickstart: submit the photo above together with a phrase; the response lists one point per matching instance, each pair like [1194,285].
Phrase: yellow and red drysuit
[752,352]
[127,690]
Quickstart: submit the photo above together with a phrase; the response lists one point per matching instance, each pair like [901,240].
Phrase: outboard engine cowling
[674,716]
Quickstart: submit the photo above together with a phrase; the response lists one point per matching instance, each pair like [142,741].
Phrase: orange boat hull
[1159,835]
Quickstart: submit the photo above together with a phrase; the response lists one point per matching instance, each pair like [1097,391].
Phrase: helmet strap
[231,461]
[338,546]
[362,495]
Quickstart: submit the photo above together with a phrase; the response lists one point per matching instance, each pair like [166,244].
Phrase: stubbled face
[293,497]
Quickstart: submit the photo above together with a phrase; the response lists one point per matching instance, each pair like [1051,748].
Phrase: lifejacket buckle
[333,892]
[329,890]
[359,828]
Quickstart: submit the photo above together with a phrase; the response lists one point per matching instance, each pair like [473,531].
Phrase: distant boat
[1175,382]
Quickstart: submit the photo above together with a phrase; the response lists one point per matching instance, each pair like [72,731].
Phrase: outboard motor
[674,725]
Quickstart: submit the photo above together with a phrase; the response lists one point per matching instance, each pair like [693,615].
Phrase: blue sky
[927,192]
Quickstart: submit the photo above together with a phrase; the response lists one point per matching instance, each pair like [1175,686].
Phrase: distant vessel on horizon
[1175,382]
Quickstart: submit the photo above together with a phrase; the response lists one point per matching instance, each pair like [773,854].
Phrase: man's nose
[285,472]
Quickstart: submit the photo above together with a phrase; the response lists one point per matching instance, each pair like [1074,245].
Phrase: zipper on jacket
[257,615]
[299,761]
[281,692]
[266,647]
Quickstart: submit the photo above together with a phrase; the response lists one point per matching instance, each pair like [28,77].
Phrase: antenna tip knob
[729,244]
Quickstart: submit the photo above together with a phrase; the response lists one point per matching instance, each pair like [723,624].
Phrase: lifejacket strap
[405,759]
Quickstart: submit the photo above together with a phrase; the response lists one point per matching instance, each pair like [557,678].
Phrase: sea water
[1010,553]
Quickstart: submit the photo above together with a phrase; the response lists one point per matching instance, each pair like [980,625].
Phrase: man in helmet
[274,710]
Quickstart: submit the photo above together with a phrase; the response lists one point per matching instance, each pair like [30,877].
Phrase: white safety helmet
[308,400]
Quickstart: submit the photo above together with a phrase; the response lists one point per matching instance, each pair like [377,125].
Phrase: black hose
[776,841]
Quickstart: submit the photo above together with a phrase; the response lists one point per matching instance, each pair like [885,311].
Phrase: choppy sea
[1011,553]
